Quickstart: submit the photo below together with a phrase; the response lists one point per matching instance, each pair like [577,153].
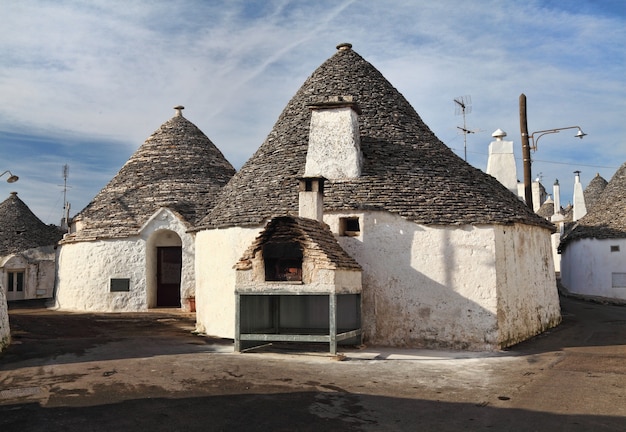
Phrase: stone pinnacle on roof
[177,167]
[405,167]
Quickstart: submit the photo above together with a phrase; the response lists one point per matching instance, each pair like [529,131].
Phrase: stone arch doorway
[164,269]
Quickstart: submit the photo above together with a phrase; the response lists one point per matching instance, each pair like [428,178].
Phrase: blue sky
[84,83]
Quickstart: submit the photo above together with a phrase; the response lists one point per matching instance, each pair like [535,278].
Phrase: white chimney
[580,209]
[334,150]
[556,191]
[311,198]
[501,161]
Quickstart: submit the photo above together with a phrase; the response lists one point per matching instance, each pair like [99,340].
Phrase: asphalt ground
[148,371]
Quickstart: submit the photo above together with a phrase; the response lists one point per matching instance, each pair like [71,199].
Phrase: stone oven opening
[283,261]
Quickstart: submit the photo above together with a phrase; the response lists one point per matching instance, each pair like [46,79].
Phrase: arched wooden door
[169,264]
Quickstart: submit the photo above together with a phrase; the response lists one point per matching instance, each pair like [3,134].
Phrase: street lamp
[12,178]
[580,134]
[526,146]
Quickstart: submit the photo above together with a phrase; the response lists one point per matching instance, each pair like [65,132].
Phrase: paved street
[148,371]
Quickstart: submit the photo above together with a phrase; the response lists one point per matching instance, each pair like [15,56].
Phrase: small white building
[450,258]
[27,252]
[593,251]
[130,249]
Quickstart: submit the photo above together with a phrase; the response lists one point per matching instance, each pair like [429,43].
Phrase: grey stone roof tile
[21,229]
[593,190]
[177,167]
[406,169]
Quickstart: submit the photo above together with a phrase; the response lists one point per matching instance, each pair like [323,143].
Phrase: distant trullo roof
[177,167]
[406,169]
[607,218]
[593,190]
[21,229]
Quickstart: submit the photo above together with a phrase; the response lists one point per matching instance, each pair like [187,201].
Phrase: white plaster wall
[5,331]
[587,266]
[424,286]
[217,251]
[85,268]
[528,301]
[556,257]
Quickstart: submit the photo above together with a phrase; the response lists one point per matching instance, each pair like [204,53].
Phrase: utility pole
[523,123]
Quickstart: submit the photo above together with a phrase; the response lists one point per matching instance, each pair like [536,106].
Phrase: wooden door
[169,264]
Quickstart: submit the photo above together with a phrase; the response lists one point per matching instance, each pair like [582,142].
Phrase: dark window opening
[615,248]
[349,226]
[283,262]
[16,281]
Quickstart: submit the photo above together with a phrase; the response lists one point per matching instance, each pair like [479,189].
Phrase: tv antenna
[463,105]
[66,205]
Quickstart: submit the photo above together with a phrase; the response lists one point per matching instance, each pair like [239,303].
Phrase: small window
[120,285]
[614,248]
[283,262]
[349,226]
[15,281]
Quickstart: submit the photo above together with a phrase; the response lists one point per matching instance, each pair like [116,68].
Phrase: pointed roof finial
[179,110]
[344,46]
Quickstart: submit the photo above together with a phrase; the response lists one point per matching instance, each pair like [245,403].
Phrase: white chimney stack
[501,162]
[334,150]
[580,209]
[311,198]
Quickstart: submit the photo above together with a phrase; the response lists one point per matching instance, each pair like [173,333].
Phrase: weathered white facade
[476,287]
[5,330]
[87,268]
[217,252]
[595,267]
[37,269]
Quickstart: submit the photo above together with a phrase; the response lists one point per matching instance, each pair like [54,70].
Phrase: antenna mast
[66,205]
[464,106]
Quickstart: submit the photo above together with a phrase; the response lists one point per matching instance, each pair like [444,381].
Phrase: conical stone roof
[177,167]
[593,190]
[21,229]
[406,169]
[607,218]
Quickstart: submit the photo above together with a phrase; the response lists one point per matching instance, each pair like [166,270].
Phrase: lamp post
[530,142]
[12,178]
